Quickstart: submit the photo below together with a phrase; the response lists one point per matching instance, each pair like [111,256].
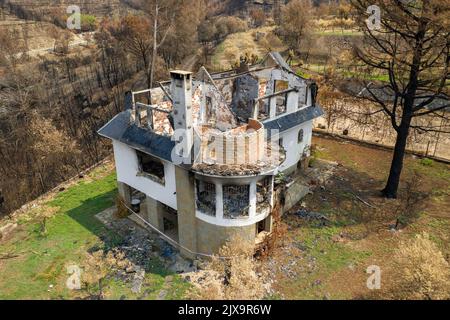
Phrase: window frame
[245,212]
[152,176]
[301,136]
[208,187]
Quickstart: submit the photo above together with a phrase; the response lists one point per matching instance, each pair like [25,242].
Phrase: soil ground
[329,260]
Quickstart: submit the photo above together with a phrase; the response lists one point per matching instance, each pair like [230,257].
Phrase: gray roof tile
[121,129]
[292,120]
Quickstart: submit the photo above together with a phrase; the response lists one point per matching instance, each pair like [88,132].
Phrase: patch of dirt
[347,218]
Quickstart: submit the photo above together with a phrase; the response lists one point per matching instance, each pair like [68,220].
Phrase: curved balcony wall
[244,145]
[233,202]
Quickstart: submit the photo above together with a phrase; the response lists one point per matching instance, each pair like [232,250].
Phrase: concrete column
[272,197]
[154,214]
[292,102]
[219,201]
[124,192]
[252,200]
[308,96]
[181,90]
[273,107]
[187,221]
[269,224]
[150,118]
[256,110]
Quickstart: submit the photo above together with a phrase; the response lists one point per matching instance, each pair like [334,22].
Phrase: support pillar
[187,221]
[124,192]
[155,213]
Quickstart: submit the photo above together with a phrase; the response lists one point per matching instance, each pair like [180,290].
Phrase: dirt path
[190,62]
[78,40]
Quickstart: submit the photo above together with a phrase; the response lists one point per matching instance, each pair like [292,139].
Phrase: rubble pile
[142,249]
[231,170]
[305,214]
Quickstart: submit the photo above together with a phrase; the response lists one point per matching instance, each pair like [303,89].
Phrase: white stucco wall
[127,169]
[294,150]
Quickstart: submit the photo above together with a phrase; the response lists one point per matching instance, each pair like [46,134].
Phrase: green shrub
[88,22]
[427,162]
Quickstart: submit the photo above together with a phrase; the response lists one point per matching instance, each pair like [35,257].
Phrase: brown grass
[332,260]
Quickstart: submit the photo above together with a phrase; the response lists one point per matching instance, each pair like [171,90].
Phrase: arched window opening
[301,136]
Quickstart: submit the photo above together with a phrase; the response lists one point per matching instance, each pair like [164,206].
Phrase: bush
[88,23]
[229,25]
[206,31]
[427,162]
[421,271]
[231,275]
[412,201]
[98,267]
[258,17]
[272,42]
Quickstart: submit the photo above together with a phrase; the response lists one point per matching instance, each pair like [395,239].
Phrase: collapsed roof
[225,105]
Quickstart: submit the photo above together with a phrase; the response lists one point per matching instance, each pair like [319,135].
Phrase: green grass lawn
[40,269]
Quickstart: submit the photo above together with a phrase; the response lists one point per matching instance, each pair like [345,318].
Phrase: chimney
[181,91]
[129,100]
[129,105]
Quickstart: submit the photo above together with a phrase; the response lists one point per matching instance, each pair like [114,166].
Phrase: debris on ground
[305,214]
[138,280]
[141,246]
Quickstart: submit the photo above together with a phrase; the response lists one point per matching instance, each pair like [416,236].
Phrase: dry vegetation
[363,120]
[421,272]
[231,275]
[98,267]
[53,103]
[329,259]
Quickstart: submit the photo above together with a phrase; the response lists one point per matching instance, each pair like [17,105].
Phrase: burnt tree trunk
[390,191]
[393,183]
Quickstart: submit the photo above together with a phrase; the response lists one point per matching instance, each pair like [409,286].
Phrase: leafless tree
[411,46]
[296,23]
[162,13]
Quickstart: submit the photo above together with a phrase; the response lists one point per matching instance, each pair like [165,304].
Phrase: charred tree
[411,45]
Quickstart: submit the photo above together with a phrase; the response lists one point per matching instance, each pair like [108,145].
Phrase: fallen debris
[138,280]
[305,214]
[365,202]
[140,247]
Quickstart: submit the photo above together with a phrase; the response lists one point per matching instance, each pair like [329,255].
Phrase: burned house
[201,152]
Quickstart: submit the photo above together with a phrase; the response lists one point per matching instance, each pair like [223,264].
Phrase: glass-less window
[206,197]
[263,195]
[301,136]
[151,167]
[236,201]
[281,100]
